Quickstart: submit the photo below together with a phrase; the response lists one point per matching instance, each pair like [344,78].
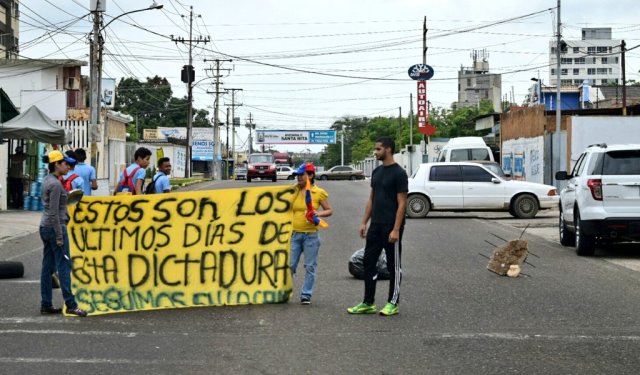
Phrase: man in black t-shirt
[386,209]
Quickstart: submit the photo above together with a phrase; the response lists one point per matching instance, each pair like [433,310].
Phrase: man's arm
[94,181]
[366,217]
[402,204]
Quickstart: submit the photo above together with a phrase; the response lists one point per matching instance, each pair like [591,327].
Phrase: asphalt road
[568,315]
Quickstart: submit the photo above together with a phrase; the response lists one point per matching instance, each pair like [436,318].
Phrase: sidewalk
[18,223]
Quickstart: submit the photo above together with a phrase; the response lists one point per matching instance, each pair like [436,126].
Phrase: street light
[97,7]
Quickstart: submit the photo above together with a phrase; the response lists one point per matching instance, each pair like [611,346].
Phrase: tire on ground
[11,270]
[567,238]
[585,244]
[525,206]
[418,206]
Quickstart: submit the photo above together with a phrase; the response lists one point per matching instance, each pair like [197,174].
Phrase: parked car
[240,172]
[261,166]
[601,201]
[465,148]
[284,172]
[493,167]
[469,186]
[341,172]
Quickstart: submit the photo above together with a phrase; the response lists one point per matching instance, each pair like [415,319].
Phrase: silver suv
[601,201]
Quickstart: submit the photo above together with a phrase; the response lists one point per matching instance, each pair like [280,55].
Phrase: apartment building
[595,58]
[476,83]
[8,29]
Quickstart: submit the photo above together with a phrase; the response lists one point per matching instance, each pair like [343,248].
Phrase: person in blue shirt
[77,182]
[161,179]
[87,172]
[142,158]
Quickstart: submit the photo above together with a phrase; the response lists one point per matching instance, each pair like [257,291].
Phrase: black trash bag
[356,265]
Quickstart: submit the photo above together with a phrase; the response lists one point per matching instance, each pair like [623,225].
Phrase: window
[459,155]
[468,82]
[565,82]
[576,72]
[445,173]
[553,50]
[479,154]
[576,49]
[564,72]
[553,72]
[591,49]
[604,81]
[602,49]
[602,71]
[579,60]
[577,169]
[604,60]
[625,162]
[591,71]
[591,60]
[615,60]
[566,60]
[577,82]
[475,174]
[3,14]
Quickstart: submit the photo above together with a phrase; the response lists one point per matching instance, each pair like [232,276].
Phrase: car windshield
[496,169]
[261,159]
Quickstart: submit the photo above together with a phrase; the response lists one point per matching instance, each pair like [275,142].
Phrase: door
[444,186]
[478,189]
[621,182]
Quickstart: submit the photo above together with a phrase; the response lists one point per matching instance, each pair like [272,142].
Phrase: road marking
[25,253]
[65,332]
[22,281]
[119,361]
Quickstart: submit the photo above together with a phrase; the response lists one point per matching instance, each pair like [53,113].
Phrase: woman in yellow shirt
[305,237]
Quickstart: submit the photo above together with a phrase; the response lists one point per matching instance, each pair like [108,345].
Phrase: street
[565,314]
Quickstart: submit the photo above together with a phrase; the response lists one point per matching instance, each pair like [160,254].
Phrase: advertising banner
[209,248]
[295,136]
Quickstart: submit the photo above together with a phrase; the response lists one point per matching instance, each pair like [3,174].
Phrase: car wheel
[274,179]
[324,177]
[585,244]
[11,270]
[567,238]
[290,178]
[248,179]
[353,178]
[525,206]
[418,206]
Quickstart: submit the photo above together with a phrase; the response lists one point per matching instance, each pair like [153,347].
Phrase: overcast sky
[304,64]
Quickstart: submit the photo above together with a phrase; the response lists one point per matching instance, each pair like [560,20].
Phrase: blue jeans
[309,244]
[53,258]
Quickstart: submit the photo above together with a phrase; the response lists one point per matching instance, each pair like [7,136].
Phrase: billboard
[108,92]
[300,137]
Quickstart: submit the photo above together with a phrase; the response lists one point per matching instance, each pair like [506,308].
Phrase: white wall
[16,79]
[590,130]
[52,102]
[523,159]
[4,168]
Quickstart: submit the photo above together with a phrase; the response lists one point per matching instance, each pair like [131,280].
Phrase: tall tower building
[476,83]
[595,58]
[9,29]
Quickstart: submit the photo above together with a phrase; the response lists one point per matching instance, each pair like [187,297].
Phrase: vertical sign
[422,106]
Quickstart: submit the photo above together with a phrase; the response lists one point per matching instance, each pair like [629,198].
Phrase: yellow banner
[201,248]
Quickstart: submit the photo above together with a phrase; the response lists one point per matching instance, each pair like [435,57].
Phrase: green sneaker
[389,309]
[362,308]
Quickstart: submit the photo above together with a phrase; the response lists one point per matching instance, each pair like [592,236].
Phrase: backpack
[151,188]
[66,184]
[127,181]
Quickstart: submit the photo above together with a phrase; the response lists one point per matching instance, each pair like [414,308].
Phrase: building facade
[476,84]
[595,58]
[9,29]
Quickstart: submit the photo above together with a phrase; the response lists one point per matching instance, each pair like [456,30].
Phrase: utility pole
[233,122]
[217,150]
[623,47]
[558,99]
[249,124]
[188,76]
[342,146]
[410,133]
[400,128]
[95,73]
[226,165]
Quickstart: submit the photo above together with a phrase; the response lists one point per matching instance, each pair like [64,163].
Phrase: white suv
[601,201]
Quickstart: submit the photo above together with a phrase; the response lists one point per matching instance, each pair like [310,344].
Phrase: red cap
[309,167]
